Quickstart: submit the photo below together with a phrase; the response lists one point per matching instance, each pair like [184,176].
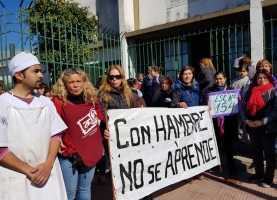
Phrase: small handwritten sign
[224,103]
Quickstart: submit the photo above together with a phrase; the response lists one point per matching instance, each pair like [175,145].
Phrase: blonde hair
[207,62]
[60,90]
[105,88]
[263,62]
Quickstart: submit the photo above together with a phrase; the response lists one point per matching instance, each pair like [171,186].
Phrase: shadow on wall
[108,15]
[201,7]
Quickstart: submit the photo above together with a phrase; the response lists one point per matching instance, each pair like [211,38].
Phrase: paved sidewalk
[216,185]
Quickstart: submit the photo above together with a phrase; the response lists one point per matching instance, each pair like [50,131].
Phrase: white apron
[29,138]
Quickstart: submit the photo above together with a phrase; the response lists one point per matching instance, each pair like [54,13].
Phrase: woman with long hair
[259,113]
[115,92]
[225,127]
[76,101]
[205,78]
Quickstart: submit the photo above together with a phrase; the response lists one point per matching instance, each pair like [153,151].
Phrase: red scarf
[256,101]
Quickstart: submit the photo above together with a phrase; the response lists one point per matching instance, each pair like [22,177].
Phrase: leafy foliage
[6,85]
[61,33]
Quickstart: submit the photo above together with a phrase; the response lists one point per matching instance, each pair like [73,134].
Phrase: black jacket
[149,90]
[205,80]
[118,101]
[162,99]
[267,115]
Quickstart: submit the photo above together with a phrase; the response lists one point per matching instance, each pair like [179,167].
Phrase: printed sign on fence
[224,103]
[152,148]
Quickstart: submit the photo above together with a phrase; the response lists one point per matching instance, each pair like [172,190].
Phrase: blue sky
[12,10]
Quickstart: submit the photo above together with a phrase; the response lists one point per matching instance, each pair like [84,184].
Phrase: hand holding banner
[224,103]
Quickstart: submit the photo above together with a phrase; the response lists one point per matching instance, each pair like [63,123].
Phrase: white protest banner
[224,103]
[152,148]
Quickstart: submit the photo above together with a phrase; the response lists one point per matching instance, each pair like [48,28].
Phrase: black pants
[226,140]
[100,166]
[263,143]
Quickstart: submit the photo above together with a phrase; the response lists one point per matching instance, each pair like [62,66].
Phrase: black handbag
[75,159]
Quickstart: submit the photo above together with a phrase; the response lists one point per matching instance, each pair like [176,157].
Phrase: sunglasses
[111,77]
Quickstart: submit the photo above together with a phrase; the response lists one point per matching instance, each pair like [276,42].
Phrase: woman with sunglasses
[115,92]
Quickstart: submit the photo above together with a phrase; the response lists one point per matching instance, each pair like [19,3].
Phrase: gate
[270,36]
[223,40]
[55,44]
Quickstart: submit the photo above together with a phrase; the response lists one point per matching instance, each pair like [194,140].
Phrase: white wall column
[256,31]
[126,24]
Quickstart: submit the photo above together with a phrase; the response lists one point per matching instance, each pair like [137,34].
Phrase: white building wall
[157,12]
[126,24]
[256,30]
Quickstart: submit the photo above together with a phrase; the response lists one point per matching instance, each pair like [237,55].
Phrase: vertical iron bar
[216,48]
[53,51]
[38,36]
[77,47]
[21,30]
[223,52]
[60,45]
[236,42]
[271,38]
[66,44]
[45,45]
[72,45]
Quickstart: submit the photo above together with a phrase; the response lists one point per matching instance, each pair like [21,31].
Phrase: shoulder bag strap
[113,101]
[190,97]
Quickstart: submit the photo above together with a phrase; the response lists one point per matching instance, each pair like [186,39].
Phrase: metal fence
[270,36]
[63,45]
[223,41]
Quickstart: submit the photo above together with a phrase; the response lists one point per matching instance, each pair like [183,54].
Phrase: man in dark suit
[151,84]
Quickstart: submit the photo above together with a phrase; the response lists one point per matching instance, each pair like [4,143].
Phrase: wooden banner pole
[110,157]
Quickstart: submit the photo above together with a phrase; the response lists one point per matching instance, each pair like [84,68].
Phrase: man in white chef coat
[30,134]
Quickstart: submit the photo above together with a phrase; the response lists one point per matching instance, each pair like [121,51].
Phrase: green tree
[61,34]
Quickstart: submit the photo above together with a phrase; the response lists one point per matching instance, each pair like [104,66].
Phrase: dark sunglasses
[111,77]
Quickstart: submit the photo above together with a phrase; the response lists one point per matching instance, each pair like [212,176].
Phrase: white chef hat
[22,61]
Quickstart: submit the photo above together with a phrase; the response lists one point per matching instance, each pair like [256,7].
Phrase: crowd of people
[38,123]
